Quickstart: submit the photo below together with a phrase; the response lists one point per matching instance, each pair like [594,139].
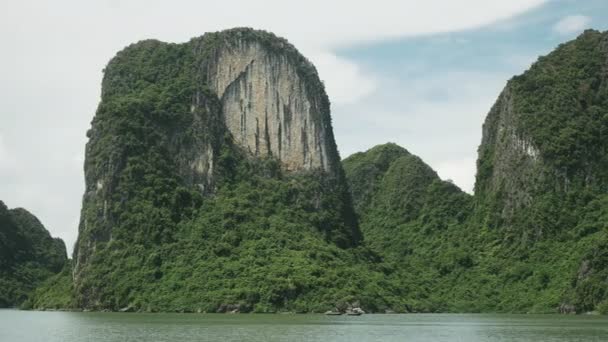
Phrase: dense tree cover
[158,234]
[415,221]
[557,108]
[257,245]
[561,104]
[392,187]
[55,293]
[560,107]
[28,255]
[445,261]
[265,241]
[533,238]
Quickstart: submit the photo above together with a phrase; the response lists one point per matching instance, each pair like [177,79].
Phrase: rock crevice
[267,107]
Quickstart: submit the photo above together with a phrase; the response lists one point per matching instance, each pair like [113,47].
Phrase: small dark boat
[354,313]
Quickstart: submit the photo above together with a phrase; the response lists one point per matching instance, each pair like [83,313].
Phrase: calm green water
[67,327]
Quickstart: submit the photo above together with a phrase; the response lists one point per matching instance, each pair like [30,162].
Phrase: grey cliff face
[515,161]
[266,106]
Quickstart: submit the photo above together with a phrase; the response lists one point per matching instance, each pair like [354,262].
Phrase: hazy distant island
[214,184]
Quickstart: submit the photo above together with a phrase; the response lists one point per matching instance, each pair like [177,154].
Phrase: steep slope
[543,173]
[28,255]
[392,188]
[415,221]
[536,239]
[213,183]
[546,134]
[272,100]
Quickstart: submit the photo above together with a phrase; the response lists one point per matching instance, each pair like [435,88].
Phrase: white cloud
[572,24]
[51,77]
[436,116]
[105,27]
[344,80]
[460,171]
[318,22]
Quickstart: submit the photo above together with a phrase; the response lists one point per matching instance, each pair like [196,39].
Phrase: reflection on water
[71,326]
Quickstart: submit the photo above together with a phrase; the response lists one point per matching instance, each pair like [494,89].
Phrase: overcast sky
[422,74]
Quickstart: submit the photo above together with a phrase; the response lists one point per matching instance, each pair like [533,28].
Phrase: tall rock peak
[546,132]
[273,102]
[179,123]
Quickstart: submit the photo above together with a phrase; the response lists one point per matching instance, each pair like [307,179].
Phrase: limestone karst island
[214,184]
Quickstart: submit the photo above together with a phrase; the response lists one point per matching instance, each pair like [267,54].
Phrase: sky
[422,74]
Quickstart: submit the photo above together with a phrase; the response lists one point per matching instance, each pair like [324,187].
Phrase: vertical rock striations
[271,107]
[232,122]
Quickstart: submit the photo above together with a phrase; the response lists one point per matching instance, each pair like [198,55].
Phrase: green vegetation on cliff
[177,216]
[543,187]
[416,221]
[28,255]
[443,260]
[534,237]
[262,243]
